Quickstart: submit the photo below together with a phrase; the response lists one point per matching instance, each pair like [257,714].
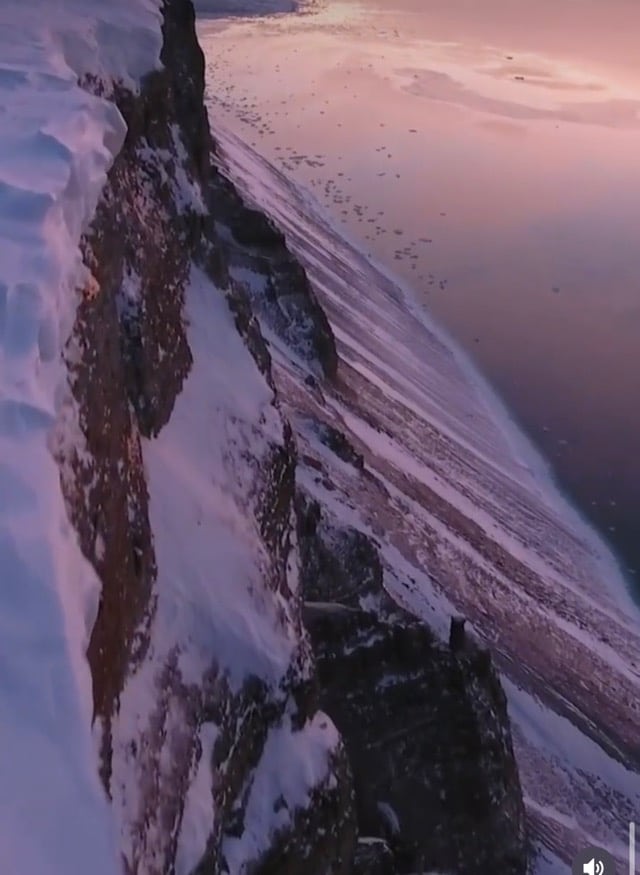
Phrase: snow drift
[58,142]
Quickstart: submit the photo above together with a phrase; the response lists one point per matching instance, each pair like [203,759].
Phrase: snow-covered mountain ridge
[57,143]
[261,561]
[159,696]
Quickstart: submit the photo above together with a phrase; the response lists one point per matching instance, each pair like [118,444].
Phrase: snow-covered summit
[57,142]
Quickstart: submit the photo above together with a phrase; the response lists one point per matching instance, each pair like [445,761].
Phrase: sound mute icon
[594,861]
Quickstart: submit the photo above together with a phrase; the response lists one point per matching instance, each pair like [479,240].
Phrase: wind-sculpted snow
[57,144]
[466,519]
[139,428]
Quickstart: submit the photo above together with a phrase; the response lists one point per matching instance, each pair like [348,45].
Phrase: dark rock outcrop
[457,634]
[373,857]
[428,737]
[282,297]
[425,724]
[338,563]
[339,444]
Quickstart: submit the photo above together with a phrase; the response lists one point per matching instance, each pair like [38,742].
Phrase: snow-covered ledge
[58,142]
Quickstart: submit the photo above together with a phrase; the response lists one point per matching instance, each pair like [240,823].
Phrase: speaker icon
[593,861]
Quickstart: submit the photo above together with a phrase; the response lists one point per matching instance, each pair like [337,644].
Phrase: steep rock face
[173,709]
[382,672]
[426,727]
[428,737]
[339,564]
[129,355]
[175,474]
[426,730]
[275,282]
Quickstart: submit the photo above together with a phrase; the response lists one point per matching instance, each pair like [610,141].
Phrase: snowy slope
[468,520]
[223,653]
[201,484]
[57,144]
[223,620]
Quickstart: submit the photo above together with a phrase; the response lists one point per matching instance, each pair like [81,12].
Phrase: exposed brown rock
[128,358]
[374,857]
[128,355]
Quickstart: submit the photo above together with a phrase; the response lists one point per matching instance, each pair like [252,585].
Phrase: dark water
[490,154]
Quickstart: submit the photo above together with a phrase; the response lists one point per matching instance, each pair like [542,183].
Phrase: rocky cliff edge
[261,704]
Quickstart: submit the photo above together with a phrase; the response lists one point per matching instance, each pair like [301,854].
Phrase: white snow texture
[56,145]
